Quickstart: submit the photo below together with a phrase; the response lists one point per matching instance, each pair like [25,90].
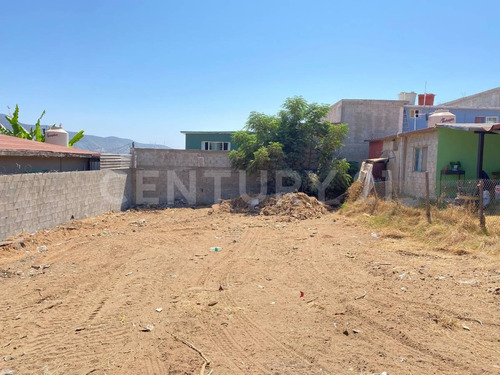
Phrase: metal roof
[472,127]
[13,146]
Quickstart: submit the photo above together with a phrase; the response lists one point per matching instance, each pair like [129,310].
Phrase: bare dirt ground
[316,296]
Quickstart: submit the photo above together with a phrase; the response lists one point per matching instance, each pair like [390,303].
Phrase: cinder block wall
[414,182]
[161,175]
[31,202]
[367,119]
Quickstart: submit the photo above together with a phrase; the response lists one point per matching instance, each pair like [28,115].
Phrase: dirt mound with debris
[236,205]
[291,206]
[298,206]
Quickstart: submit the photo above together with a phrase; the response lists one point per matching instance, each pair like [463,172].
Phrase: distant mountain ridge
[112,145]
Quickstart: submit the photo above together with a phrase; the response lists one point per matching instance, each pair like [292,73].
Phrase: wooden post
[427,198]
[482,219]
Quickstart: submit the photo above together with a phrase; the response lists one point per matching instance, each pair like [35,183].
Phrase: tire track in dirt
[261,339]
[223,340]
[79,311]
[347,282]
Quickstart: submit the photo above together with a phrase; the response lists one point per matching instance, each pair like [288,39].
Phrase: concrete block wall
[30,202]
[159,158]
[200,177]
[367,119]
[194,185]
[414,182]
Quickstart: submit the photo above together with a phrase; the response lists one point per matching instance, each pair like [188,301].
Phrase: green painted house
[209,140]
[438,150]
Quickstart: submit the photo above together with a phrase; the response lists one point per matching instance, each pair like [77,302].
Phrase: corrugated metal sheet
[484,127]
[116,161]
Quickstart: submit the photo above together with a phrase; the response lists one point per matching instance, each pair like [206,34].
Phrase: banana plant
[75,138]
[17,129]
[35,134]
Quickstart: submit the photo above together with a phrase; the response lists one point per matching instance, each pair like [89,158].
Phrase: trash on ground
[42,248]
[301,294]
[159,309]
[349,255]
[465,327]
[216,249]
[213,303]
[129,273]
[402,276]
[148,328]
[374,235]
[40,266]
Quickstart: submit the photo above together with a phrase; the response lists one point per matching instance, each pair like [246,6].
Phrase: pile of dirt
[289,206]
[298,206]
[236,205]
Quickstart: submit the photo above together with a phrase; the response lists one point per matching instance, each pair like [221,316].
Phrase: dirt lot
[316,296]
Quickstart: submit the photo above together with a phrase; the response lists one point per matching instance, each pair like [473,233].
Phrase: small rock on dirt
[42,248]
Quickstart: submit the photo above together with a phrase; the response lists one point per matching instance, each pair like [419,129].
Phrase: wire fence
[480,198]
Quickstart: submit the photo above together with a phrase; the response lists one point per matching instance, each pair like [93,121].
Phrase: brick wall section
[30,202]
[414,182]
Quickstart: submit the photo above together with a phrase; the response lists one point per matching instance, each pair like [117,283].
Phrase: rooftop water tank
[441,116]
[56,135]
[409,96]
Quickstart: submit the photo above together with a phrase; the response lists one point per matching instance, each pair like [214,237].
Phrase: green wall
[193,141]
[461,145]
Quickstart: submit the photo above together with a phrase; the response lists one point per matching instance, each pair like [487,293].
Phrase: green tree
[34,134]
[298,138]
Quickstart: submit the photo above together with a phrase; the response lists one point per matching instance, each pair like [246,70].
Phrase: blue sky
[148,69]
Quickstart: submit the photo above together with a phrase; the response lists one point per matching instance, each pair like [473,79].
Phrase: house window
[215,146]
[486,119]
[420,159]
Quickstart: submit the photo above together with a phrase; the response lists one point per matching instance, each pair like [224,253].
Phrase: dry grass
[452,229]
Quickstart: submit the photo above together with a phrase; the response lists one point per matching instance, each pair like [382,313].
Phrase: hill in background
[113,145]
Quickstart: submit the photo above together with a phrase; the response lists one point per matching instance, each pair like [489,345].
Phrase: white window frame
[490,119]
[420,157]
[211,143]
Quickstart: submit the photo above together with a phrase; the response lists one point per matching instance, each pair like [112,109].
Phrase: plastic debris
[465,327]
[149,328]
[254,203]
[42,248]
[374,235]
[402,276]
[301,294]
[159,309]
[216,249]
